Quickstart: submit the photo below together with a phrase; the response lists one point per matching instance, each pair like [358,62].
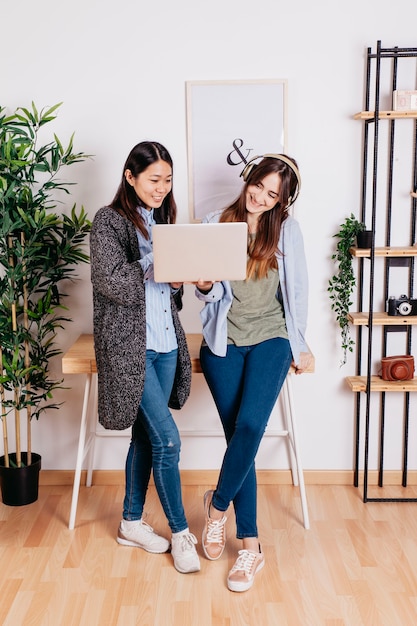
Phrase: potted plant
[38,251]
[341,285]
[364,237]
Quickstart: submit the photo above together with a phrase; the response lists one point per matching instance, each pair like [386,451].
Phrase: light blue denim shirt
[160,333]
[293,278]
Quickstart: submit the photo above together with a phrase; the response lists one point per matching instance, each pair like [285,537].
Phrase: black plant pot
[19,485]
[364,239]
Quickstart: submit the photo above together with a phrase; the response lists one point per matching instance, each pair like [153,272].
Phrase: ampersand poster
[228,124]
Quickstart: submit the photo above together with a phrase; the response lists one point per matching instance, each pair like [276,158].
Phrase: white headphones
[250,165]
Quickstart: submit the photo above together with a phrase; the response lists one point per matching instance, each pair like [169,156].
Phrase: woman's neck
[252,223]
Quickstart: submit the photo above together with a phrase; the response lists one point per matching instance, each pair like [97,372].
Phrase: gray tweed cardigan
[120,324]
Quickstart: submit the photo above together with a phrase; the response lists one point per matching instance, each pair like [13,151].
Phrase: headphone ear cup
[247,171]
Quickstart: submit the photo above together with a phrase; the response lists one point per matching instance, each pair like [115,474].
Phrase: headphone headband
[250,165]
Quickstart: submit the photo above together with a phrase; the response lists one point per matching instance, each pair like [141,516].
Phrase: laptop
[190,252]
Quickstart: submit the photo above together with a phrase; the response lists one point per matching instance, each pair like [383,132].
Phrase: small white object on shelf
[404,100]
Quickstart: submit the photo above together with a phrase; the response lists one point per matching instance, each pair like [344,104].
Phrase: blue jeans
[245,385]
[155,445]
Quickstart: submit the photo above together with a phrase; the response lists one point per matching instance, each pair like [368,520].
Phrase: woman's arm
[208,291]
[115,271]
[294,287]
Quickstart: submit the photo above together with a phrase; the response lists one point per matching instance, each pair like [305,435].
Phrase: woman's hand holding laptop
[204,285]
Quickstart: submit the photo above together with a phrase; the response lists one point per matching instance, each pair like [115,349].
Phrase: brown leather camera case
[397,367]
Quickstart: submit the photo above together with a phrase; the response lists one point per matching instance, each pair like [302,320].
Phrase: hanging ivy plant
[342,283]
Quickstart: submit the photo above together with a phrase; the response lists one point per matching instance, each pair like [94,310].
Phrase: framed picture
[228,124]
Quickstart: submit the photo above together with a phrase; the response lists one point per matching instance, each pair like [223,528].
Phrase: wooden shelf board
[369,115]
[358,383]
[382,319]
[392,251]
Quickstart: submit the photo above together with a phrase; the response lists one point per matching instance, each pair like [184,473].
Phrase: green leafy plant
[341,285]
[39,249]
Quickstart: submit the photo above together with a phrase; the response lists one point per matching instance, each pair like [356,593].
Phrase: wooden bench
[80,359]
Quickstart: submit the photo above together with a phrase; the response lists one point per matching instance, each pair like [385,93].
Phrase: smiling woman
[253,329]
[143,364]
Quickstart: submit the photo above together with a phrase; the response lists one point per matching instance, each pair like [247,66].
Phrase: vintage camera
[397,367]
[401,306]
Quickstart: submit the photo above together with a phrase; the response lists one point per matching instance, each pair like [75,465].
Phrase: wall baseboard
[209,477]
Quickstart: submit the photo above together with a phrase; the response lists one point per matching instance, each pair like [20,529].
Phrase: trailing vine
[342,283]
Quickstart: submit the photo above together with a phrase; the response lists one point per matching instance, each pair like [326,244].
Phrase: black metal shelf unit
[378,212]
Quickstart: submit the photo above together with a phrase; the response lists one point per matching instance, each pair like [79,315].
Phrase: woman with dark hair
[143,363]
[253,329]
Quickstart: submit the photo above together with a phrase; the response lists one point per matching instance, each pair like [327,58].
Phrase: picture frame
[228,124]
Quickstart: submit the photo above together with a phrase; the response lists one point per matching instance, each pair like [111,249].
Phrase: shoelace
[215,530]
[146,526]
[244,562]
[188,541]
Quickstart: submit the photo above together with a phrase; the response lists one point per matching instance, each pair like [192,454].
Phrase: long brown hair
[263,249]
[126,200]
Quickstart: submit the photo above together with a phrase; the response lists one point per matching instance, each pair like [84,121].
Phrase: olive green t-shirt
[255,314]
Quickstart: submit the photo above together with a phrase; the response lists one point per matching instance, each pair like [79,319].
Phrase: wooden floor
[357,565]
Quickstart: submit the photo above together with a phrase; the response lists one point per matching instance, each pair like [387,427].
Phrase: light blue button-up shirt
[160,332]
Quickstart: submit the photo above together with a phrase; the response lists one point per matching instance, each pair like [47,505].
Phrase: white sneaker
[184,553]
[140,535]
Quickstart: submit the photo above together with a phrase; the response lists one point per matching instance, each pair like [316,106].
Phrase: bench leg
[82,448]
[92,435]
[294,446]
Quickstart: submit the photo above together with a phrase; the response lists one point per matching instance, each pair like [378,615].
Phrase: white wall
[120,70]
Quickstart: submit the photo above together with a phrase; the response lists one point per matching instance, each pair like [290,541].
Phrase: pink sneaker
[214,531]
[242,574]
